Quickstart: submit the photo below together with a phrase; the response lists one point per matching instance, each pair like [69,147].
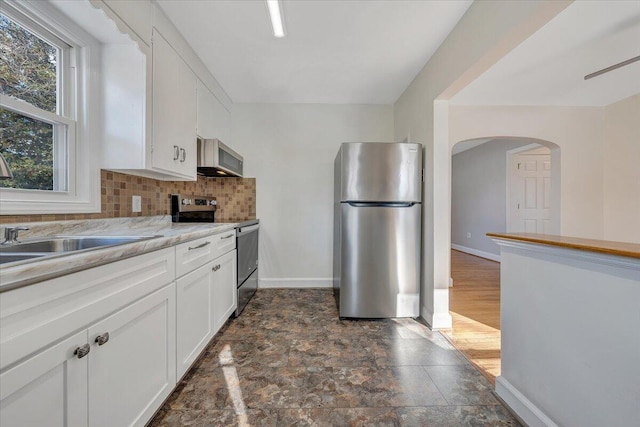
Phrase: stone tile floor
[288,360]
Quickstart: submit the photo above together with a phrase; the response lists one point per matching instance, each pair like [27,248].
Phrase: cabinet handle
[227,237]
[202,245]
[176,152]
[216,267]
[82,351]
[184,154]
[102,339]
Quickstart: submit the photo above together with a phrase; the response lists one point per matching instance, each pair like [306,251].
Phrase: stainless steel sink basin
[6,258]
[68,244]
[59,245]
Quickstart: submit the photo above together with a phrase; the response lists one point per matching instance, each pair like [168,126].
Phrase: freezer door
[380,265]
[373,172]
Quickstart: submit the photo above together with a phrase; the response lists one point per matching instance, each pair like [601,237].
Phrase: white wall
[622,170]
[488,31]
[289,149]
[578,131]
[479,196]
[570,342]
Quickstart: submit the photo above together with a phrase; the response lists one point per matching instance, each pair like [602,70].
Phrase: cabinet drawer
[226,242]
[35,316]
[193,254]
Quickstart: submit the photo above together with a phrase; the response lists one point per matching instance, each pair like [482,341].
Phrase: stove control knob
[186,201]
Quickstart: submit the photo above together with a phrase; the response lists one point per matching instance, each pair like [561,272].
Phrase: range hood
[217,159]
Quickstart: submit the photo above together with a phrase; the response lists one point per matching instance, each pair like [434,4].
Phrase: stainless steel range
[185,208]
[247,247]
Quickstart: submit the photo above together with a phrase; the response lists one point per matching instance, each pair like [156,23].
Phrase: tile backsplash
[236,198]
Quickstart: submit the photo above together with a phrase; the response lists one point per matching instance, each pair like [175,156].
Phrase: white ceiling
[357,52]
[549,67]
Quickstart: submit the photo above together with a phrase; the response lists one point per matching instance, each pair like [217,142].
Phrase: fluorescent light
[275,12]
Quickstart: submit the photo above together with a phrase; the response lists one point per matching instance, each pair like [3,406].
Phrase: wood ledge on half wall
[624,249]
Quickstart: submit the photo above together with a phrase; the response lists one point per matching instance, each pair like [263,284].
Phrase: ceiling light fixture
[277,22]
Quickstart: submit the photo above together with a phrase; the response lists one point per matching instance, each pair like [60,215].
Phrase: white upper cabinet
[174,111]
[156,97]
[214,120]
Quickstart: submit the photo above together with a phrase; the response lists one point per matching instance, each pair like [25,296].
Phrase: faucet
[11,234]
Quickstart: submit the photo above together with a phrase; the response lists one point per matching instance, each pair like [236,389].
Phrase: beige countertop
[624,249]
[14,275]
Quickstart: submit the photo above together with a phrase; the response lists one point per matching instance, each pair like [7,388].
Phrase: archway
[482,198]
[488,177]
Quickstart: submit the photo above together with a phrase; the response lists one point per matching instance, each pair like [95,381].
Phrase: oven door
[247,246]
[246,291]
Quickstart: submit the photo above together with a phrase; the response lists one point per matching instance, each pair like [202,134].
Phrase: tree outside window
[28,73]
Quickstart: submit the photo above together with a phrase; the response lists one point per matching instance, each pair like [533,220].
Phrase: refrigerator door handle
[381,204]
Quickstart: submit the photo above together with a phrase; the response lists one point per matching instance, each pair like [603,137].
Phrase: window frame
[74,134]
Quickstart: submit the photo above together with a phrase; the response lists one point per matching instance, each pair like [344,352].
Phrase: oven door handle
[249,229]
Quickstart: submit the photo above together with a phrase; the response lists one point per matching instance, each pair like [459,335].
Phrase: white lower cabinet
[225,291]
[79,381]
[132,361]
[206,299]
[195,315]
[105,346]
[48,389]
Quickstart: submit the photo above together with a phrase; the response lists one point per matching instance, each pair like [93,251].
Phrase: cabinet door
[225,295]
[132,373]
[174,111]
[214,121]
[48,389]
[195,315]
[206,111]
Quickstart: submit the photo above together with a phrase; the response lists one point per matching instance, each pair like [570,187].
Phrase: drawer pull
[202,245]
[216,267]
[82,351]
[227,237]
[102,339]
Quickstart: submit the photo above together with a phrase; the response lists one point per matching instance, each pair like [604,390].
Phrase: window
[44,132]
[34,131]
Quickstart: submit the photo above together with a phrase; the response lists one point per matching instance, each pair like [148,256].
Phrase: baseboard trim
[436,321]
[521,406]
[296,283]
[481,254]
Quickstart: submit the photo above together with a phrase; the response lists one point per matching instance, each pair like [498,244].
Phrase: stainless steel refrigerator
[377,229]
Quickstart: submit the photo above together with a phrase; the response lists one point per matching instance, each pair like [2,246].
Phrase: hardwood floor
[474,303]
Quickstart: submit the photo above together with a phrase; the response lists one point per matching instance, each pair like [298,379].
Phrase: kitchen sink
[13,257]
[59,245]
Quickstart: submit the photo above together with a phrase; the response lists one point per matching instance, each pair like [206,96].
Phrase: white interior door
[530,193]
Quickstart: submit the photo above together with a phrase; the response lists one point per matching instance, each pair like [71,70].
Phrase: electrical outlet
[136,204]
[468,235]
